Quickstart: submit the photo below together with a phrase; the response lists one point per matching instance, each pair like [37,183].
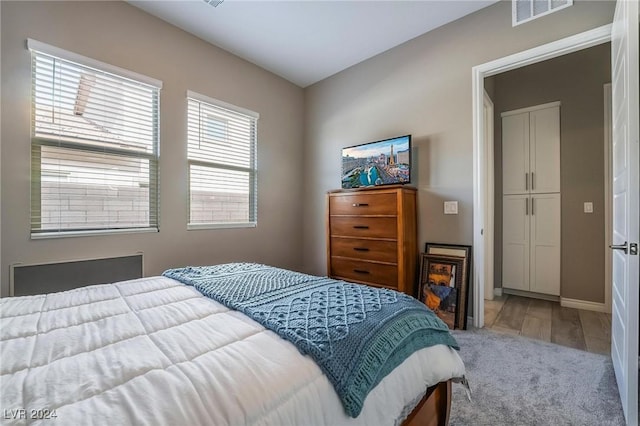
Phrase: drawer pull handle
[360,226]
[361,249]
[360,271]
[360,204]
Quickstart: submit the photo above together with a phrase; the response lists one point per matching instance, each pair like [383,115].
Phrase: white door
[544,174]
[545,244]
[626,186]
[515,241]
[515,153]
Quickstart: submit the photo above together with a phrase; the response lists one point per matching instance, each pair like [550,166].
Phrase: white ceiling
[306,41]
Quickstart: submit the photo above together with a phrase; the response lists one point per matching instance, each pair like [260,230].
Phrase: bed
[157,351]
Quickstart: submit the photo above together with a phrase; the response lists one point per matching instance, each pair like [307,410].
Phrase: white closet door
[545,150]
[515,153]
[515,241]
[545,244]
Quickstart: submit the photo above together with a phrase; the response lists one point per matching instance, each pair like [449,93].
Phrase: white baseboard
[497,291]
[583,304]
[531,294]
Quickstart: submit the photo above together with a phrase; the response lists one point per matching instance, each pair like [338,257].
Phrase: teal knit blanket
[357,334]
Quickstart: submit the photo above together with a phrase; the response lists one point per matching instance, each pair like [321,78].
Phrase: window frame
[252,170]
[85,146]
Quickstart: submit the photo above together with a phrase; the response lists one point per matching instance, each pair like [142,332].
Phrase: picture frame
[444,282]
[457,250]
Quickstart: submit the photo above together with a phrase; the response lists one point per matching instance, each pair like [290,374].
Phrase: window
[222,164]
[526,10]
[94,146]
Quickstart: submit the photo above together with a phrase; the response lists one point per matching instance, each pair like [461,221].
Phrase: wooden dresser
[372,236]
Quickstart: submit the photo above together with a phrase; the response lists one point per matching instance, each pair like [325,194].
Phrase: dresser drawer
[376,273]
[363,204]
[373,227]
[380,250]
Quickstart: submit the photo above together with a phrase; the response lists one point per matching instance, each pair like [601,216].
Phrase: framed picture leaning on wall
[433,271]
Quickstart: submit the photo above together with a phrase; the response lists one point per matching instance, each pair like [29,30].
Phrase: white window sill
[69,234]
[198,226]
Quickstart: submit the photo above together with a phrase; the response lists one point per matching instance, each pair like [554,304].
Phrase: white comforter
[154,351]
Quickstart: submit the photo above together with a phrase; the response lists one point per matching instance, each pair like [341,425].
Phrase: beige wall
[576,80]
[422,87]
[122,35]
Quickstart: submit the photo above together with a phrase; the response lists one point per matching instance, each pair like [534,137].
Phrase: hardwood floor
[543,320]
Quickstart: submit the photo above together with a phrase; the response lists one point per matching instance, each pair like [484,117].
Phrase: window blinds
[94,147]
[222,163]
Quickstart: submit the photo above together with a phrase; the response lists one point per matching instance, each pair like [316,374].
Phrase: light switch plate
[450,207]
[588,207]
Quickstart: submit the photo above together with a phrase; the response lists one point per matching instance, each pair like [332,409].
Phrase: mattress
[154,351]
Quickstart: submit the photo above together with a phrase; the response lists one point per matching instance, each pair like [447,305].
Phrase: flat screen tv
[385,162]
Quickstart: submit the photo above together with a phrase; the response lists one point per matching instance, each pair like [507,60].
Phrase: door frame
[487,267]
[483,172]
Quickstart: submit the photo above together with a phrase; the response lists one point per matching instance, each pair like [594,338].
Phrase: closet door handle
[526,207]
[532,204]
[533,183]
[526,181]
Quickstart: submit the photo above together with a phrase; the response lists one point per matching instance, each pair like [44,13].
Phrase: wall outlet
[588,207]
[450,207]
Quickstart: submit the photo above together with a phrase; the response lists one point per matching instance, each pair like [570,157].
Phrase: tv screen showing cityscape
[384,162]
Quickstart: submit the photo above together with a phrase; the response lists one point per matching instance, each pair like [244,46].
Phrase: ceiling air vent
[527,10]
[214,3]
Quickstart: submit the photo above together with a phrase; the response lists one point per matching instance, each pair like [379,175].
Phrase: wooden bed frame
[433,409]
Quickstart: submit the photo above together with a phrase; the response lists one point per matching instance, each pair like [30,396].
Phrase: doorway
[550,201]
[483,175]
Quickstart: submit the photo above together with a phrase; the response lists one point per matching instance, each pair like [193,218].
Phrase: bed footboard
[434,408]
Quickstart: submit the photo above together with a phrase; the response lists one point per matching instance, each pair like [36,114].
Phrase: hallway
[548,321]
